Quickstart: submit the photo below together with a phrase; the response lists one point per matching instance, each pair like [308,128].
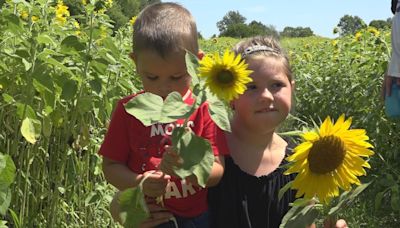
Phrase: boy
[162,33]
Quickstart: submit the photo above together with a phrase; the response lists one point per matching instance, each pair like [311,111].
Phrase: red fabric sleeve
[116,145]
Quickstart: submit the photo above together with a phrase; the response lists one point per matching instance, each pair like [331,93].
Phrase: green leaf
[192,64]
[29,112]
[54,62]
[284,189]
[7,171]
[14,24]
[27,64]
[347,197]
[197,155]
[150,108]
[69,90]
[300,216]
[219,114]
[96,85]
[7,98]
[31,129]
[45,39]
[174,108]
[146,107]
[72,45]
[5,200]
[133,207]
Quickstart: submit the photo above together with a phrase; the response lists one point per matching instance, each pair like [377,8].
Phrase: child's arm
[217,171]
[122,177]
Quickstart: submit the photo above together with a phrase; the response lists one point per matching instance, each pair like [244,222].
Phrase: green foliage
[230,19]
[233,25]
[196,153]
[133,207]
[297,32]
[381,24]
[350,25]
[151,109]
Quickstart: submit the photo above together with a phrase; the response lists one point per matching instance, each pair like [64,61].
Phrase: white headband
[257,48]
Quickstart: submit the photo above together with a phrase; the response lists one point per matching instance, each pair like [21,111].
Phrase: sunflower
[329,159]
[226,77]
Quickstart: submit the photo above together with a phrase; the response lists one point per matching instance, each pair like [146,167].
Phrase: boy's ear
[293,85]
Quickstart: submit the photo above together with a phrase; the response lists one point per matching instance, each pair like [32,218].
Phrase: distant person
[392,78]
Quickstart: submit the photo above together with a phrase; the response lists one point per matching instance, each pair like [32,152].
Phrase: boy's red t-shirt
[139,147]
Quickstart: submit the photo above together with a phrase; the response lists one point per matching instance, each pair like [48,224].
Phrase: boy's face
[162,76]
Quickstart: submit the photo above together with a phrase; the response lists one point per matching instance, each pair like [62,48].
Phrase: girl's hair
[166,28]
[263,46]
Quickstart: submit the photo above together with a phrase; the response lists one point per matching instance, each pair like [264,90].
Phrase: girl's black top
[245,201]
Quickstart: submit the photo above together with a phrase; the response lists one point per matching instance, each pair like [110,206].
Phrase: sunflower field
[61,75]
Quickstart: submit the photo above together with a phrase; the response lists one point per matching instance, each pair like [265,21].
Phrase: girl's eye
[251,87]
[152,78]
[176,78]
[278,85]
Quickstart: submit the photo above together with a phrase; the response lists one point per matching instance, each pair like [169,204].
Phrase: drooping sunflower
[226,76]
[329,159]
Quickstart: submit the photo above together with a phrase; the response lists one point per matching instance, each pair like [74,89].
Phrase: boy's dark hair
[265,46]
[165,28]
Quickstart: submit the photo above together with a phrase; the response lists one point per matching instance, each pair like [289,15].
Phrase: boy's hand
[155,183]
[170,160]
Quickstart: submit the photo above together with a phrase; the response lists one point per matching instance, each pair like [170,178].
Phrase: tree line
[233,24]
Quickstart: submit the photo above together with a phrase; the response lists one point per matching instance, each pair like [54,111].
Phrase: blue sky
[321,16]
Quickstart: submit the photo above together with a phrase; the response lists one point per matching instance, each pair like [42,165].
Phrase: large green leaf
[219,112]
[69,90]
[146,107]
[5,200]
[7,171]
[197,155]
[346,198]
[301,214]
[192,64]
[133,207]
[150,108]
[174,108]
[71,45]
[31,129]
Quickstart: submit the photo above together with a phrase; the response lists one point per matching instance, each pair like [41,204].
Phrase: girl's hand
[170,160]
[155,183]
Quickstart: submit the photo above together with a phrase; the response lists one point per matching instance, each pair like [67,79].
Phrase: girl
[247,195]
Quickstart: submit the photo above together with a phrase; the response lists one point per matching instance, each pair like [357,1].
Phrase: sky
[321,16]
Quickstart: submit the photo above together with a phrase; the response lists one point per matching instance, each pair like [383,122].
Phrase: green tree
[231,18]
[257,28]
[350,25]
[297,32]
[380,24]
[236,30]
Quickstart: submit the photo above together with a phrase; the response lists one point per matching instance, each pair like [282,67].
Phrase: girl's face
[267,100]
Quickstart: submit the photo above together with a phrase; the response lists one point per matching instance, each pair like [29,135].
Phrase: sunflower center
[326,154]
[225,77]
